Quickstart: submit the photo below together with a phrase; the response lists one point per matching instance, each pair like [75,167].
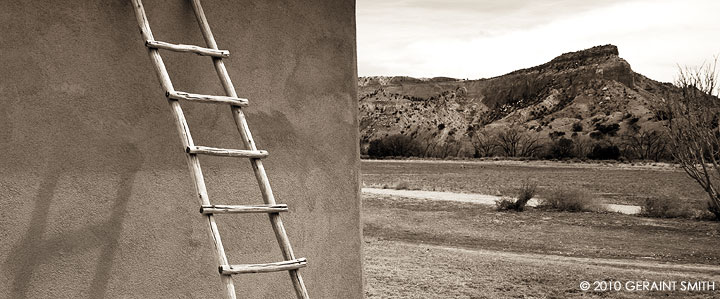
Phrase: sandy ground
[636,266]
[646,267]
[425,248]
[479,198]
[497,274]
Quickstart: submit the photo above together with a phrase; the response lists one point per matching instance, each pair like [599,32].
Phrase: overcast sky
[482,38]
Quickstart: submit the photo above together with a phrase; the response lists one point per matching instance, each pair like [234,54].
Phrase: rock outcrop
[572,94]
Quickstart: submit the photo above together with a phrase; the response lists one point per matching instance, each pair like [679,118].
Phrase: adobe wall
[96,196]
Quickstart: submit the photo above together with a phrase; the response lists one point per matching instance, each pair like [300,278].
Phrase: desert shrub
[556,134]
[402,185]
[524,194]
[714,212]
[582,146]
[596,135]
[610,129]
[562,148]
[577,127]
[665,207]
[505,204]
[662,115]
[604,151]
[570,200]
[394,146]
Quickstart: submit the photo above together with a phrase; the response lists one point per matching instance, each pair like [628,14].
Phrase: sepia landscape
[527,184]
[343,149]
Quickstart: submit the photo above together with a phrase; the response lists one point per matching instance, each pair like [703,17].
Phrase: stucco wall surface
[95,192]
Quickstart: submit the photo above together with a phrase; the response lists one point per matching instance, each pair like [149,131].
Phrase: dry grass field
[418,248]
[608,182]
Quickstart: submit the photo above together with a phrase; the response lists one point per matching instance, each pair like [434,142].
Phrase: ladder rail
[257,165]
[186,140]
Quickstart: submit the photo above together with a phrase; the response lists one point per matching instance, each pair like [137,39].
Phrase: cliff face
[570,95]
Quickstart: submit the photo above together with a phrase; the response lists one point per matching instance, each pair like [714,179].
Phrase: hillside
[576,95]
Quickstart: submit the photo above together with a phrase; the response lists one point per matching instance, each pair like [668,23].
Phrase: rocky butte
[573,95]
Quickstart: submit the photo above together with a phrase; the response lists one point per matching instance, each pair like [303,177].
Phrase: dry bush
[524,194]
[402,186]
[506,204]
[666,207]
[570,200]
[582,146]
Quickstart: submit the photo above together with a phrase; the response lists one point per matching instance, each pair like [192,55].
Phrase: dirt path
[644,267]
[479,198]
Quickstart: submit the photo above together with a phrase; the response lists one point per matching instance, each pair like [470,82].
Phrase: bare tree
[428,144]
[509,141]
[515,143]
[645,144]
[483,142]
[529,145]
[693,129]
[448,148]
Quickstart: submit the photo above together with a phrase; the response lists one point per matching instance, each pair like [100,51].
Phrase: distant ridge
[571,95]
[389,80]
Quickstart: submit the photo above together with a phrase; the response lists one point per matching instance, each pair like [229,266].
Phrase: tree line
[515,143]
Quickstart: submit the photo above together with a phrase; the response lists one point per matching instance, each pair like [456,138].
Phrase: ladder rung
[258,154]
[187,48]
[263,268]
[181,95]
[221,209]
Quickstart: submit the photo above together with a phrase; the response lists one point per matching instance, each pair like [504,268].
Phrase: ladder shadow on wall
[32,251]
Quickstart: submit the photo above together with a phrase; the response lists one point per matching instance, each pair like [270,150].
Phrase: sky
[481,38]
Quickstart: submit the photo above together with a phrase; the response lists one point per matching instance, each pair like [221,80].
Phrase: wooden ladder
[290,263]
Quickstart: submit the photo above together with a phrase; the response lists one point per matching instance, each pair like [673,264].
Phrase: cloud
[474,39]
